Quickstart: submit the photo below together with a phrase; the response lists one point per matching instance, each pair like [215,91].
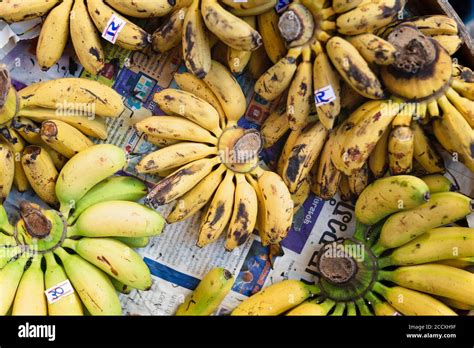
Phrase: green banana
[138,242]
[10,276]
[442,208]
[388,195]
[439,183]
[92,285]
[4,224]
[115,188]
[209,294]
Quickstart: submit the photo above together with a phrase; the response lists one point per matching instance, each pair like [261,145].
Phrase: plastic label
[324,95]
[59,291]
[113,28]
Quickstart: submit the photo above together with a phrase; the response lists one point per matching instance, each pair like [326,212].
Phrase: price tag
[324,95]
[113,28]
[59,291]
[282,5]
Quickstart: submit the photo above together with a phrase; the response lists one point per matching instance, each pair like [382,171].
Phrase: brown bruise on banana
[105,261]
[189,54]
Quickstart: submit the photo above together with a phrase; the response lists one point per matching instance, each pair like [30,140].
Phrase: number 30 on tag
[324,95]
[58,291]
[113,28]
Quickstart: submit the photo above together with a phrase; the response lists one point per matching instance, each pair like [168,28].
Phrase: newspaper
[176,263]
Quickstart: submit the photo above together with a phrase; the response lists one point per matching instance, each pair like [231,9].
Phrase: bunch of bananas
[209,162]
[47,123]
[85,21]
[389,267]
[82,255]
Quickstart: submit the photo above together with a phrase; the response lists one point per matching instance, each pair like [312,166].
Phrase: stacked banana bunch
[88,245]
[208,162]
[388,267]
[85,21]
[47,123]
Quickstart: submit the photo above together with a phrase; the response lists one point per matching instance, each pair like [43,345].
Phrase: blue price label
[324,95]
[113,28]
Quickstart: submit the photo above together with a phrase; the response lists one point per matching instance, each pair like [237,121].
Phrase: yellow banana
[258,63]
[301,195]
[231,30]
[244,216]
[85,39]
[276,298]
[464,105]
[327,177]
[218,212]
[253,11]
[237,60]
[181,181]
[174,127]
[142,8]
[374,49]
[64,138]
[130,37]
[300,93]
[358,181]
[17,145]
[341,6]
[272,40]
[435,25]
[378,159]
[7,172]
[311,307]
[209,293]
[286,151]
[400,150]
[21,10]
[41,173]
[275,126]
[9,101]
[178,102]
[439,183]
[170,33]
[10,276]
[465,88]
[353,68]
[451,43]
[344,191]
[425,153]
[380,307]
[53,36]
[196,198]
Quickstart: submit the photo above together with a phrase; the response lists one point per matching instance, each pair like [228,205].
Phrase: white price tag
[324,95]
[59,291]
[113,28]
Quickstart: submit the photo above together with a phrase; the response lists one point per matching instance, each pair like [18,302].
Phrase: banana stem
[384,262]
[385,275]
[7,228]
[339,310]
[314,289]
[378,249]
[363,309]
[72,231]
[328,304]
[69,243]
[351,309]
[61,253]
[50,260]
[360,230]
[380,288]
[373,300]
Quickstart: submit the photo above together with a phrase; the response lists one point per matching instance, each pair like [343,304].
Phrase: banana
[209,293]
[176,128]
[434,279]
[358,181]
[196,47]
[174,156]
[300,94]
[437,244]
[91,126]
[250,4]
[227,90]
[85,39]
[4,224]
[116,188]
[435,25]
[424,152]
[231,30]
[73,94]
[58,160]
[327,177]
[304,154]
[378,159]
[130,37]
[114,258]
[64,138]
[400,150]
[258,63]
[451,43]
[360,140]
[460,133]
[380,308]
[325,76]
[455,304]
[41,173]
[275,206]
[351,309]
[254,11]
[341,6]
[9,101]
[465,88]
[169,34]
[10,276]
[344,191]
[28,130]
[388,195]
[86,169]
[464,105]
[237,60]
[180,181]
[276,298]
[117,219]
[53,36]
[244,215]
[273,42]
[20,181]
[442,208]
[311,307]
[178,102]
[142,8]
[439,183]
[276,79]
[353,68]
[138,242]
[190,83]
[159,141]
[286,151]
[192,201]
[53,276]
[296,25]
[339,309]
[369,16]
[374,49]
[20,10]
[92,285]
[218,213]
[7,172]
[301,195]
[275,126]
[409,302]
[29,298]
